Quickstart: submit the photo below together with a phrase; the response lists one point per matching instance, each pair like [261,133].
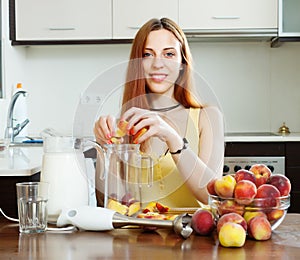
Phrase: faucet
[11,132]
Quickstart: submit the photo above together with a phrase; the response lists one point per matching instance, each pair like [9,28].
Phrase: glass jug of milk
[63,167]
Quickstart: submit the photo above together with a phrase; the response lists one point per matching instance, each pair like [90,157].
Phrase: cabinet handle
[134,27]
[226,17]
[62,29]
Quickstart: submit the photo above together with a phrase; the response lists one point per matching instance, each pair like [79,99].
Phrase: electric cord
[69,228]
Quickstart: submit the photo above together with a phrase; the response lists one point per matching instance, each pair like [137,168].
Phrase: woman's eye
[170,54]
[147,54]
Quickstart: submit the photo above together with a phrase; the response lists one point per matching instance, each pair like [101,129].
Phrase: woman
[186,137]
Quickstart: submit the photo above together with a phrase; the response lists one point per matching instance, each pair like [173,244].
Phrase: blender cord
[70,228]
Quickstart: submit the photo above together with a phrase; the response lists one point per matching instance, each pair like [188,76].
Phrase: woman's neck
[157,102]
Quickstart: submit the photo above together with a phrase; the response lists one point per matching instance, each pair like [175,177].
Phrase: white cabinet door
[130,15]
[63,19]
[228,14]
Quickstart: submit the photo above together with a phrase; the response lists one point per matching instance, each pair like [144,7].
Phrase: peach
[269,195]
[244,174]
[275,214]
[282,183]
[134,208]
[251,214]
[161,208]
[127,199]
[232,235]
[138,135]
[117,206]
[121,130]
[262,173]
[244,192]
[211,187]
[203,222]
[224,186]
[259,228]
[228,206]
[150,207]
[231,217]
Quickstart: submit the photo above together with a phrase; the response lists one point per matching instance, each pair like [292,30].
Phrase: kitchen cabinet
[293,173]
[126,23]
[289,19]
[36,20]
[228,14]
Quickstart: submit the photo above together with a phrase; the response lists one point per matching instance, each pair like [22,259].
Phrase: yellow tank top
[168,185]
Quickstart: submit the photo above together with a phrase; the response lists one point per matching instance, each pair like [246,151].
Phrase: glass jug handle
[147,163]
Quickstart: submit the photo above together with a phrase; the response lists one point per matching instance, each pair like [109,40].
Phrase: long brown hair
[135,88]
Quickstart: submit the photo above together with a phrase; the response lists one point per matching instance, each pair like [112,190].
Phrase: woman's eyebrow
[165,49]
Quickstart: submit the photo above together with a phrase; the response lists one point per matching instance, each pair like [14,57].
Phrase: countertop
[21,161]
[137,244]
[27,161]
[261,137]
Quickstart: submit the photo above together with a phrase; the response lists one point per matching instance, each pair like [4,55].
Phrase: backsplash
[258,87]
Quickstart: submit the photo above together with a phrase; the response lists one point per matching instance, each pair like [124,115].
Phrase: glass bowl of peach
[251,193]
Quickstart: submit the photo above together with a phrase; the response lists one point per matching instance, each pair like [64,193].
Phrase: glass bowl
[274,208]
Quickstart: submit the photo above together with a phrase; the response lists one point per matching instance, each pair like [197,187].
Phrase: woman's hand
[104,129]
[138,119]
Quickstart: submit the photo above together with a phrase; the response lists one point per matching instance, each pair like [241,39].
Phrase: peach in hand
[203,222]
[232,235]
[262,173]
[224,186]
[259,228]
[244,192]
[282,183]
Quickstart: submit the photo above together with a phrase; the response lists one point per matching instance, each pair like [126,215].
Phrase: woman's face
[162,61]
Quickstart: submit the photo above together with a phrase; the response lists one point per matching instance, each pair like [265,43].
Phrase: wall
[258,87]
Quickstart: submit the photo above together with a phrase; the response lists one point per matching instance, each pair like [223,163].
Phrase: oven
[243,154]
[234,163]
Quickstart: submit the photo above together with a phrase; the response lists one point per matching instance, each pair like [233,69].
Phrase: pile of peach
[127,205]
[247,203]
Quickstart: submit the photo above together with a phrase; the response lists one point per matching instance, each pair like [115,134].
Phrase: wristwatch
[185,145]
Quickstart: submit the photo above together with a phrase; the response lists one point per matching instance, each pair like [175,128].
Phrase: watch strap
[185,145]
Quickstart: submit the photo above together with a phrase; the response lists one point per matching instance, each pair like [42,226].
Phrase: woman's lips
[158,77]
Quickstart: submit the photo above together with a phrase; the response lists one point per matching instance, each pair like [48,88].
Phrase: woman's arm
[199,169]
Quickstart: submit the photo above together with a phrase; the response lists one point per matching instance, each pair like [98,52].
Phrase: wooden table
[138,244]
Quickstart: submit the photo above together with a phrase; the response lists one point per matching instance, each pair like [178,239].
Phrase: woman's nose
[158,63]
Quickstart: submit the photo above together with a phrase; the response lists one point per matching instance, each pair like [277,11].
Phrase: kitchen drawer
[228,14]
[293,173]
[8,196]
[254,149]
[295,206]
[292,154]
[35,20]
[126,24]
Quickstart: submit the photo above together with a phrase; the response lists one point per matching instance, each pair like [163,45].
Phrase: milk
[68,183]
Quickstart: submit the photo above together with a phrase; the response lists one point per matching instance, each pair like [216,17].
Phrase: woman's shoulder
[210,114]
[206,110]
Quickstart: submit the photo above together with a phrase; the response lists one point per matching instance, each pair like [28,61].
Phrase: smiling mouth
[158,77]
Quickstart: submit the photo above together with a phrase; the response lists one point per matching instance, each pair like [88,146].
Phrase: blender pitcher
[124,170]
[63,167]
